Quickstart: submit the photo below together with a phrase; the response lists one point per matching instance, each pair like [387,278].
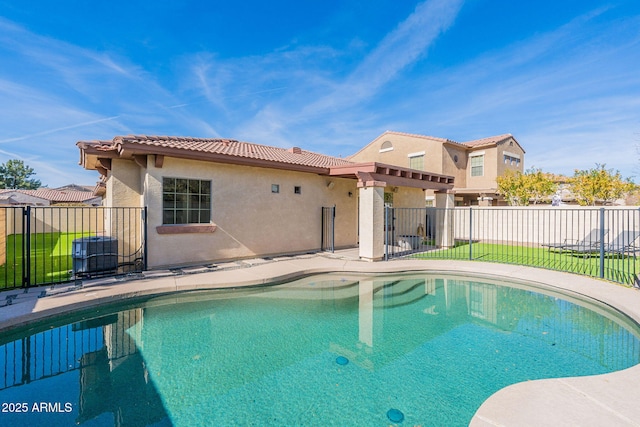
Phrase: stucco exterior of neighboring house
[475,165]
[218,199]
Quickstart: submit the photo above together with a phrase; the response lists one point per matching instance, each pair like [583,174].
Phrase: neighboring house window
[386,146]
[186,201]
[275,188]
[416,160]
[297,189]
[477,165]
[511,159]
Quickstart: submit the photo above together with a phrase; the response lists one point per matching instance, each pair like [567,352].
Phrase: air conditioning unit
[95,254]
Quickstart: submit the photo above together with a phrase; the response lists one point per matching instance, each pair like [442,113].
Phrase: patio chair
[590,243]
[625,243]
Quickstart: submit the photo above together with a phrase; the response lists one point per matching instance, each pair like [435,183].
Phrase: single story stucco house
[48,197]
[218,199]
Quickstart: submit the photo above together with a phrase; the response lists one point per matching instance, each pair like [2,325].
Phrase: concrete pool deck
[582,401]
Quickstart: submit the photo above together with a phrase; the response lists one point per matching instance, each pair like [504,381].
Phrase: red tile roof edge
[227,148]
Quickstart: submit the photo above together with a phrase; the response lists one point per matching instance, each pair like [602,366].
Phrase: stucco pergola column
[371,223]
[365,312]
[444,219]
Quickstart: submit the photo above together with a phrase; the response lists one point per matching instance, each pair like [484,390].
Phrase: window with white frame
[477,165]
[416,160]
[386,146]
[511,159]
[186,201]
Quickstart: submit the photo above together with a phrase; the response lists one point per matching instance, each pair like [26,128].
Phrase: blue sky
[562,76]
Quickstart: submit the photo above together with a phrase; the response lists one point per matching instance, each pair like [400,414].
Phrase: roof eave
[395,175]
[127,150]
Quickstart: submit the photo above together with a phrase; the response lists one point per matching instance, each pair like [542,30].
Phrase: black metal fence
[599,242]
[327,241]
[47,245]
[67,348]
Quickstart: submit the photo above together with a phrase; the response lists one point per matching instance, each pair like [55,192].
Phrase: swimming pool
[412,349]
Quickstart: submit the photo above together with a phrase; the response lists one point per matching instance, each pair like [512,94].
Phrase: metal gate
[53,244]
[407,230]
[327,240]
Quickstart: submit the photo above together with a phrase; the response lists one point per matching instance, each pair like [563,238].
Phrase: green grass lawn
[50,259]
[616,268]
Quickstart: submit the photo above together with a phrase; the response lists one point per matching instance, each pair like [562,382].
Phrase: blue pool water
[327,350]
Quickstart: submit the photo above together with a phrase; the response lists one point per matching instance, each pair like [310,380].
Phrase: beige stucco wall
[251,220]
[405,197]
[451,167]
[510,147]
[124,190]
[541,225]
[403,145]
[494,165]
[124,187]
[488,178]
[49,219]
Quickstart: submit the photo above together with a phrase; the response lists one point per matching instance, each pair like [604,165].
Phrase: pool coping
[585,401]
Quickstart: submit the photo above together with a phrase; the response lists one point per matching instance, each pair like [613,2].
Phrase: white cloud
[570,96]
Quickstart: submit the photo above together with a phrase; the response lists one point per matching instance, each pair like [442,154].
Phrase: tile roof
[226,147]
[75,187]
[484,142]
[97,155]
[415,135]
[55,195]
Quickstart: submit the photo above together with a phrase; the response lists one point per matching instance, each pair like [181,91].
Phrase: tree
[599,185]
[521,189]
[542,184]
[15,175]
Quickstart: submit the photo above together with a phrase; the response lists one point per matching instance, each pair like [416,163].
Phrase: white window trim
[418,154]
[476,154]
[479,154]
[384,150]
[506,153]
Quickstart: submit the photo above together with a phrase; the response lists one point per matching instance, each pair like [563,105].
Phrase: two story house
[475,165]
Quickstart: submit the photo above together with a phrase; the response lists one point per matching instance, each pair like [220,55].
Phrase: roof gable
[389,132]
[491,141]
[469,145]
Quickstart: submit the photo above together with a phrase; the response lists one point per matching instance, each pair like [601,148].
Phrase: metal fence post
[386,240]
[602,243]
[470,234]
[333,229]
[26,247]
[322,230]
[144,237]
